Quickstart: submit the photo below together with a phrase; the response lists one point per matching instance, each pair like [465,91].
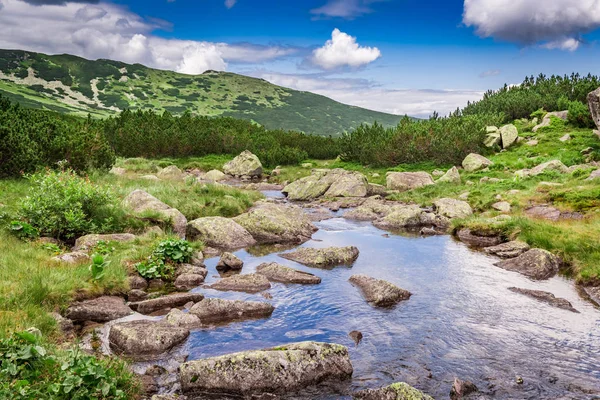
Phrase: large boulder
[87,242]
[536,264]
[396,391]
[277,223]
[546,121]
[221,310]
[219,232]
[141,202]
[279,273]
[166,302]
[246,164]
[378,292]
[593,99]
[545,297]
[508,250]
[475,162]
[400,217]
[453,208]
[408,180]
[323,258]
[509,135]
[452,176]
[276,370]
[492,137]
[141,339]
[250,283]
[214,176]
[552,165]
[329,183]
[170,173]
[101,309]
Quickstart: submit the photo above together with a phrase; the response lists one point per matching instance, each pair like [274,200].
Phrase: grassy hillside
[74,85]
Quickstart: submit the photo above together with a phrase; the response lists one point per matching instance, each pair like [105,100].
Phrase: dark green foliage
[33,370]
[437,140]
[151,135]
[579,115]
[533,94]
[23,230]
[64,205]
[32,139]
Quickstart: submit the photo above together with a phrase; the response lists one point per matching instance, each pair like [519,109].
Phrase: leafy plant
[52,248]
[103,248]
[98,266]
[32,370]
[160,263]
[23,230]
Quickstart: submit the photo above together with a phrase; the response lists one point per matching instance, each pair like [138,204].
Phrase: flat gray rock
[141,339]
[478,239]
[101,309]
[221,310]
[323,258]
[250,283]
[277,370]
[87,242]
[536,264]
[164,302]
[378,292]
[219,232]
[545,297]
[508,249]
[279,273]
[396,391]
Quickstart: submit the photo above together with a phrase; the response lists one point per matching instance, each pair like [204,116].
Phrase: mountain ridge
[74,85]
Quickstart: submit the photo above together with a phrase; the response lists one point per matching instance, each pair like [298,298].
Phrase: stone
[492,139]
[400,217]
[532,142]
[279,273]
[491,129]
[281,369]
[135,295]
[221,310]
[140,339]
[307,188]
[475,162]
[188,281]
[374,189]
[553,165]
[543,212]
[170,173]
[452,176]
[461,389]
[547,120]
[141,202]
[347,184]
[64,324]
[429,219]
[168,397]
[323,258]
[593,99]
[75,257]
[194,269]
[328,183]
[453,208]
[277,223]
[536,264]
[220,232]
[250,283]
[101,309]
[176,317]
[117,171]
[214,176]
[357,336]
[593,293]
[306,165]
[361,214]
[88,242]
[228,262]
[408,180]
[478,239]
[509,135]
[165,302]
[378,292]
[464,196]
[594,175]
[502,206]
[565,138]
[246,164]
[508,249]
[396,391]
[150,177]
[545,297]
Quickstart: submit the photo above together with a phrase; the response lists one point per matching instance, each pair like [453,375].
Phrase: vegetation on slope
[74,85]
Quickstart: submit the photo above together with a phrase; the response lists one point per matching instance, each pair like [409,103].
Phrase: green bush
[579,115]
[161,263]
[32,139]
[64,205]
[31,370]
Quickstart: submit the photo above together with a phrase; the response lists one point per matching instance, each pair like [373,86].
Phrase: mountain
[74,85]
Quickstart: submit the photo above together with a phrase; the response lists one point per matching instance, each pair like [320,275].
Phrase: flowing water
[461,321]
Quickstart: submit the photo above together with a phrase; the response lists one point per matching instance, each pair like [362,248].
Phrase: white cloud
[348,9]
[230,3]
[358,92]
[106,30]
[342,50]
[555,24]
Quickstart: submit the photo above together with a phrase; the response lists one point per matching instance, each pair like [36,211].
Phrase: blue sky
[400,56]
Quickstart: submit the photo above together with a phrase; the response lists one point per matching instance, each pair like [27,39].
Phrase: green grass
[211,94]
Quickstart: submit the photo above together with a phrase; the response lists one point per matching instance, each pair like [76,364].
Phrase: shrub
[579,115]
[23,230]
[64,205]
[31,370]
[160,264]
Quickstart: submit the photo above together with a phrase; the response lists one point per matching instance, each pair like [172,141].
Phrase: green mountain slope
[74,85]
